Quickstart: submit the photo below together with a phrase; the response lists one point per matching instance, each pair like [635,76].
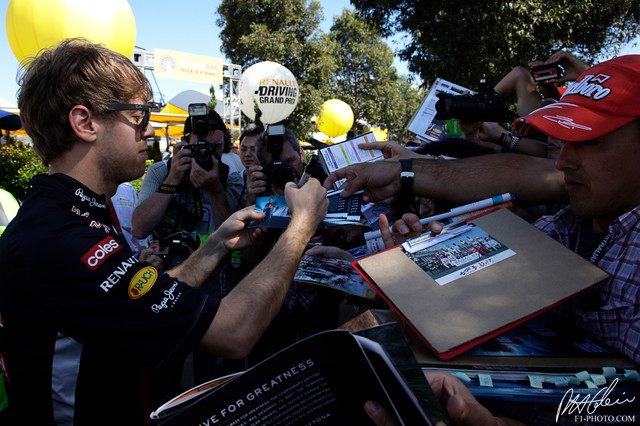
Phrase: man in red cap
[598,123]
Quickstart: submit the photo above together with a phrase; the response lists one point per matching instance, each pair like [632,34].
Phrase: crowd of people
[106,291]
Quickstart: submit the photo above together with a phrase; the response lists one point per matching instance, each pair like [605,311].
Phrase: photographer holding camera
[192,192]
[308,308]
[281,160]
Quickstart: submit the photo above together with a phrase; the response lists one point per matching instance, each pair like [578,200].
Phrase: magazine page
[424,124]
[334,273]
[323,379]
[341,155]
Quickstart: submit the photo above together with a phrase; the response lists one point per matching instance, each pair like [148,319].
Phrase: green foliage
[213,101]
[286,32]
[18,164]
[153,153]
[366,79]
[464,41]
[138,182]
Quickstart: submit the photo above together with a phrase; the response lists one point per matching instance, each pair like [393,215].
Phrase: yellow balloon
[336,118]
[33,25]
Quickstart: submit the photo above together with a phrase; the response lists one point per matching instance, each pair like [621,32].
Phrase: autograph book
[323,379]
[497,273]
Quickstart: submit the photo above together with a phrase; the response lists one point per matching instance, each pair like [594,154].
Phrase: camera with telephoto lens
[277,172]
[485,105]
[202,121]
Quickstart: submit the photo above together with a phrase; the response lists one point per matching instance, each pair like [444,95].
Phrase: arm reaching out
[532,180]
[246,312]
[232,235]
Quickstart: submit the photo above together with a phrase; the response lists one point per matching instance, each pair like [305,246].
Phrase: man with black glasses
[87,324]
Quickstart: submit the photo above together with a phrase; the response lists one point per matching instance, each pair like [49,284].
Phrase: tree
[286,32]
[18,163]
[464,41]
[366,78]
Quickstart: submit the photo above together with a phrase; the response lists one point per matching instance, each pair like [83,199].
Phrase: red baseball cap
[603,99]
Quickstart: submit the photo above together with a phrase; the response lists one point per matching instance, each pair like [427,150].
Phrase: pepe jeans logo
[92,201]
[169,300]
[590,87]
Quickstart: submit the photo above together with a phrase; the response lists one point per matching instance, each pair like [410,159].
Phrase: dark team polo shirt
[86,324]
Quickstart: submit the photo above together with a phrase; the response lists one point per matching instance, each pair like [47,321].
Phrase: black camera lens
[202,152]
[483,106]
[176,255]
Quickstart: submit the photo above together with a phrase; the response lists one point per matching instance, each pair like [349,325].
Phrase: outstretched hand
[404,229]
[380,180]
[330,252]
[390,150]
[234,231]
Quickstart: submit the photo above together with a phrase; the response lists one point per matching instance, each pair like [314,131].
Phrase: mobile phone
[547,72]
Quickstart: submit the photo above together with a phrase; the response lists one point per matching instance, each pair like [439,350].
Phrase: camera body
[483,106]
[277,172]
[201,122]
[202,152]
[179,247]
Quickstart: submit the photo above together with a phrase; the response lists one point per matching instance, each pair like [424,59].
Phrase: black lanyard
[598,252]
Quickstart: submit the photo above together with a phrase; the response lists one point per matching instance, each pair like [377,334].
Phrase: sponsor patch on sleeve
[142,282]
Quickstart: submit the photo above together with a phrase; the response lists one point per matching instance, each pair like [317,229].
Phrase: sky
[188,26]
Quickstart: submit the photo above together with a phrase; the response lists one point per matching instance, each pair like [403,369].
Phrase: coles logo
[100,252]
[142,282]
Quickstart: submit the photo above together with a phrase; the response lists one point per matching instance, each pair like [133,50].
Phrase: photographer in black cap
[192,192]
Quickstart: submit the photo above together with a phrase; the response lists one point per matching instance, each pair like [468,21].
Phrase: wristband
[502,141]
[514,141]
[167,189]
[406,177]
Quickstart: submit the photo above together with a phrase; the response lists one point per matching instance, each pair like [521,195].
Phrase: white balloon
[273,87]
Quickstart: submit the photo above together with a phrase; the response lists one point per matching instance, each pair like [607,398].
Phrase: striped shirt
[611,311]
